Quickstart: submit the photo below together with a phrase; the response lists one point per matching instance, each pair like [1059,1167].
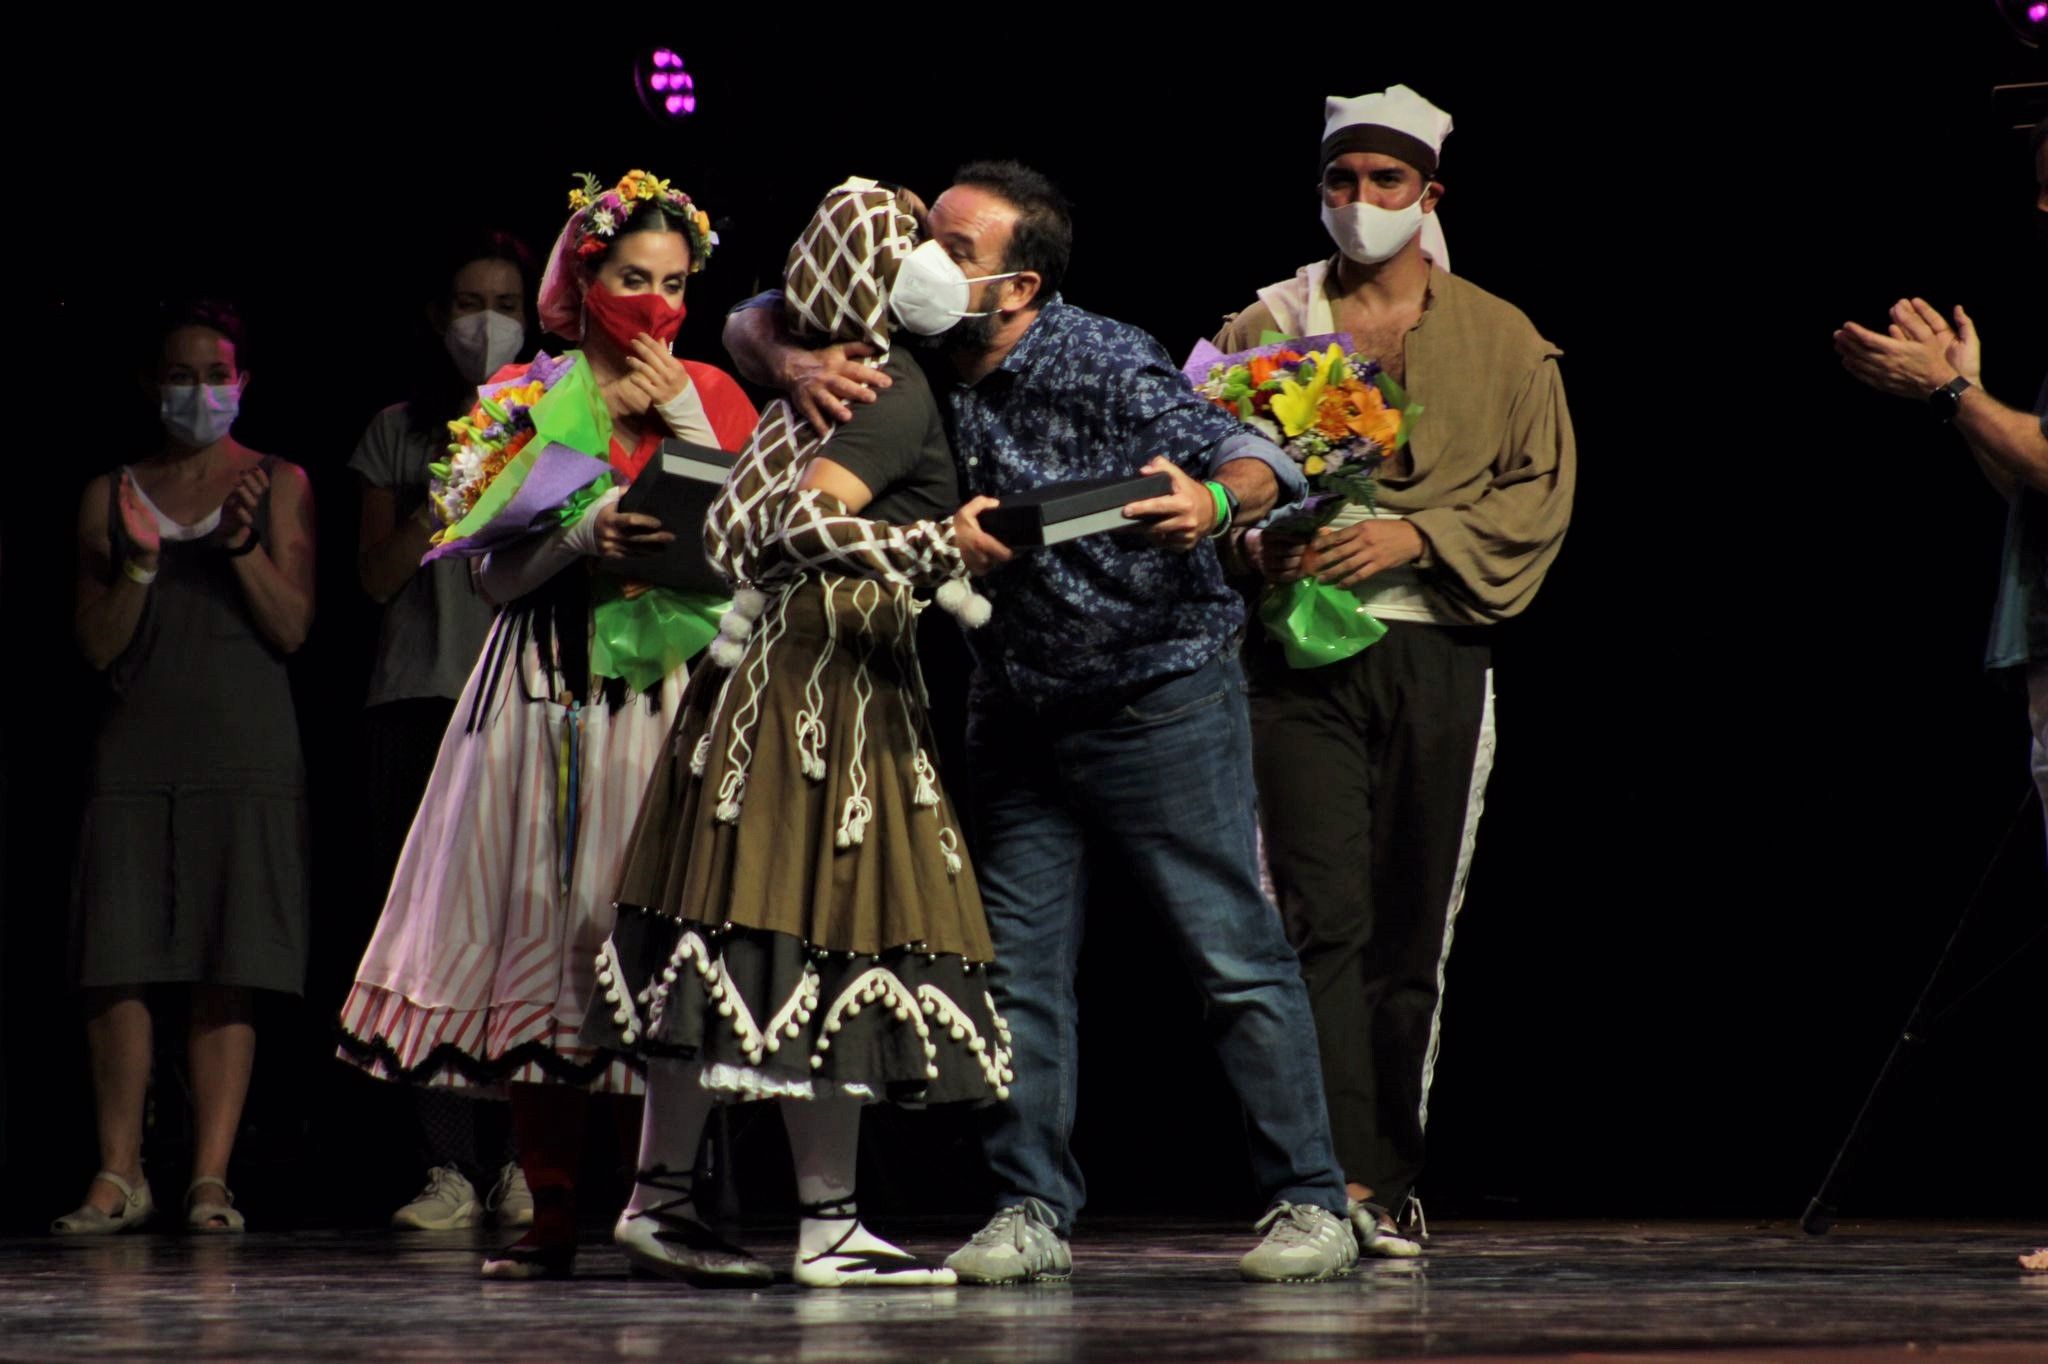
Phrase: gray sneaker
[1018,1245]
[509,1200]
[1304,1244]
[447,1203]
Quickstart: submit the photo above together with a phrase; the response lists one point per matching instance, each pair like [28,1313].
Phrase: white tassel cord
[927,791]
[858,810]
[810,721]
[739,749]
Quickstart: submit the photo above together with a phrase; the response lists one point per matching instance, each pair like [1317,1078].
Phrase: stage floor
[1611,1290]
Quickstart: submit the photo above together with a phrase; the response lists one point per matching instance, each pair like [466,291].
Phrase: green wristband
[1222,496]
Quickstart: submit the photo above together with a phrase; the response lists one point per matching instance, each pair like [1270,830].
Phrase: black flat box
[1060,512]
[677,487]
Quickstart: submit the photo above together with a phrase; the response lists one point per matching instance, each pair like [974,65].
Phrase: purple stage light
[667,91]
[2028,20]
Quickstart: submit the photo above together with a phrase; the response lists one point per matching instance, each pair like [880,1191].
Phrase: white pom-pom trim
[749,602]
[727,653]
[957,597]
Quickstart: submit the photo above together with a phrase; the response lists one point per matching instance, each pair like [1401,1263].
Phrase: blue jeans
[1163,781]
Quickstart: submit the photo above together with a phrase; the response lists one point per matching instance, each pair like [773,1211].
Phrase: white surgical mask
[197,415]
[929,295]
[1369,234]
[483,343]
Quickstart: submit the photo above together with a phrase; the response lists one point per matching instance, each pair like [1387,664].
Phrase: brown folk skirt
[796,903]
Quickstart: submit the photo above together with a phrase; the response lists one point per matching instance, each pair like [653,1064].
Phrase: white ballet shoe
[878,1265]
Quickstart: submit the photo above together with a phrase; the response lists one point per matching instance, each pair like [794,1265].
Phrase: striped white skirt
[483,959]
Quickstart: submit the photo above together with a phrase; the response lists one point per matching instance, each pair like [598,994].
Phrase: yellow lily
[1294,406]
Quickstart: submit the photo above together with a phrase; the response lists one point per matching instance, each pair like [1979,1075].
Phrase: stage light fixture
[2028,19]
[666,89]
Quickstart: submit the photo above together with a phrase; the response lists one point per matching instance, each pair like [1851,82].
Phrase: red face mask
[625,316]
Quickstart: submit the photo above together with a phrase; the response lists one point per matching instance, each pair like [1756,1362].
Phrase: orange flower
[1375,421]
[1356,409]
[1262,368]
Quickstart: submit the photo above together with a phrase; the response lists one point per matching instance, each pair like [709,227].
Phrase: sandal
[86,1220]
[200,1217]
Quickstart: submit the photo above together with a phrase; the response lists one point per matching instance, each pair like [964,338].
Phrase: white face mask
[483,343]
[197,415]
[1369,234]
[930,292]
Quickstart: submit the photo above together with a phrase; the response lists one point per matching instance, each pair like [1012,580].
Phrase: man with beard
[1107,710]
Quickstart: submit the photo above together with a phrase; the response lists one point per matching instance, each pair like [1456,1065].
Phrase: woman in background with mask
[482,961]
[474,323]
[194,583]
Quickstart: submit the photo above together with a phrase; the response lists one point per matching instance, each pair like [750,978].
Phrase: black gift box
[1066,511]
[677,487]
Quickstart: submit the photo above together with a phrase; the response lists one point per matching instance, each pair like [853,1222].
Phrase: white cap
[1396,121]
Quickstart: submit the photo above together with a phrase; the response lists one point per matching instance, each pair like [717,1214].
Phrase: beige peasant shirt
[1490,464]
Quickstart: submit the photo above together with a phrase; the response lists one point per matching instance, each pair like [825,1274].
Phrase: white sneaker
[509,1200]
[1018,1245]
[1304,1244]
[448,1202]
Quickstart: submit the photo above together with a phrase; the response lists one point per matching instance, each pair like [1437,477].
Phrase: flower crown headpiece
[604,213]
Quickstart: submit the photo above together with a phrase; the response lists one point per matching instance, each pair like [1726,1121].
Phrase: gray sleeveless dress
[192,849]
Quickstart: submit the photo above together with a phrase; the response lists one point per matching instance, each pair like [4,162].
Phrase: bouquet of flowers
[532,452]
[1340,417]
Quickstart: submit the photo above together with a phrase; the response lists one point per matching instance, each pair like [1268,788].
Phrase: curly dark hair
[1043,241]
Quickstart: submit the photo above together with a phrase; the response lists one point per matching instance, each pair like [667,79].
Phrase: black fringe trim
[377,1055]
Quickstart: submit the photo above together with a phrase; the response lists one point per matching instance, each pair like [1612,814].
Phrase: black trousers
[1371,773]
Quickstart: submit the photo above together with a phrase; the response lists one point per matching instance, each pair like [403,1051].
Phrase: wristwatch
[1947,399]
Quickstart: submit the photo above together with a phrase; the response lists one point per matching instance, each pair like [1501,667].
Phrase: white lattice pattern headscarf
[835,286]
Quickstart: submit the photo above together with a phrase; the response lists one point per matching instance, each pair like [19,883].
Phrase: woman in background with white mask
[475,323]
[194,582]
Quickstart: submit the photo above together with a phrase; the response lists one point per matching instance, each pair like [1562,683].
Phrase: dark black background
[1750,767]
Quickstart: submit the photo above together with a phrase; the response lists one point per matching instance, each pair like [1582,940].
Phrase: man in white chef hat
[1372,770]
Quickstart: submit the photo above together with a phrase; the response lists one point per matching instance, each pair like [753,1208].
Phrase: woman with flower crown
[796,917]
[480,966]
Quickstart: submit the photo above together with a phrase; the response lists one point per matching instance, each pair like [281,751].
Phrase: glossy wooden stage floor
[1608,1290]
